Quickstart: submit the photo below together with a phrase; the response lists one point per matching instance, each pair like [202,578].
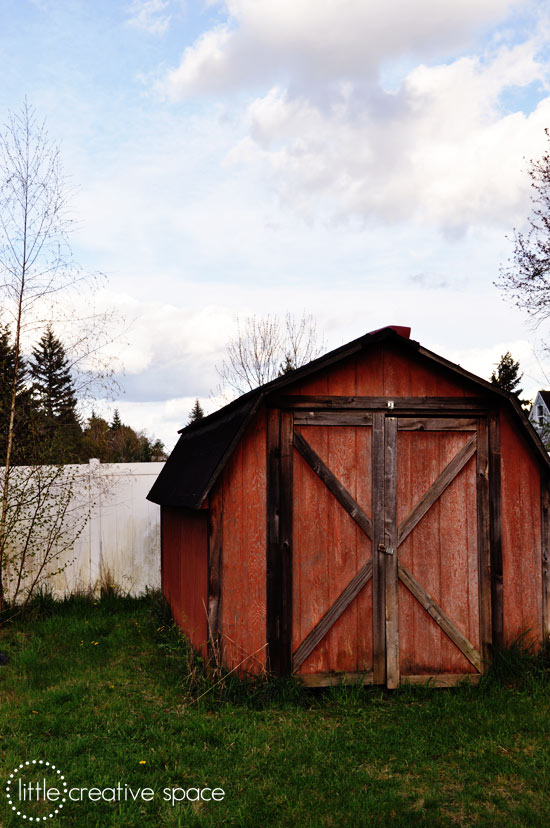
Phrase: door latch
[386,549]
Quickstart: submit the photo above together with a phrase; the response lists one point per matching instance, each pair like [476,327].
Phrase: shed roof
[205,446]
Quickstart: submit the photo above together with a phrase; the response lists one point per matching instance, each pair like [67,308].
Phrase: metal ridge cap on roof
[402,330]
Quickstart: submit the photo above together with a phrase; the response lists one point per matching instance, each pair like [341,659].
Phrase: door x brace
[365,573]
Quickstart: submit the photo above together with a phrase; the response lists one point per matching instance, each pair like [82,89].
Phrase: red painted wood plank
[185,571]
[397,373]
[521,537]
[385,371]
[342,639]
[244,551]
[370,373]
[312,535]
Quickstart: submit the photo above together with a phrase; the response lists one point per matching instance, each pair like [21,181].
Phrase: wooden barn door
[378,547]
[332,594]
[436,549]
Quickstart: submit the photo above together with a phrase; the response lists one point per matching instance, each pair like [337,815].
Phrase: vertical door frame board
[273,575]
[162,520]
[483,484]
[545,543]
[279,541]
[285,540]
[496,529]
[378,557]
[215,563]
[390,543]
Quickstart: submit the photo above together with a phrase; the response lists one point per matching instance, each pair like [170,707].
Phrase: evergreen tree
[54,396]
[287,366]
[507,377]
[125,445]
[7,370]
[24,420]
[52,385]
[196,412]
[117,422]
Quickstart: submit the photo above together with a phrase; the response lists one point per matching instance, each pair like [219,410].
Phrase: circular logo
[36,790]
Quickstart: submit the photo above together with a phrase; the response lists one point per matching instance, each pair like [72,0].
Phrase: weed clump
[204,678]
[518,663]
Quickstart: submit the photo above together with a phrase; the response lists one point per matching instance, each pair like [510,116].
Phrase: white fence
[120,543]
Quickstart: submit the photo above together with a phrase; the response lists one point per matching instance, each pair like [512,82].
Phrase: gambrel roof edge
[205,446]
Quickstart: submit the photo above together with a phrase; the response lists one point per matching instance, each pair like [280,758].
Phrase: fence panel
[120,543]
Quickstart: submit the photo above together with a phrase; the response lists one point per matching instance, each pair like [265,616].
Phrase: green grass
[123,710]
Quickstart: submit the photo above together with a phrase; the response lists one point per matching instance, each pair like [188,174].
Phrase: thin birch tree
[37,273]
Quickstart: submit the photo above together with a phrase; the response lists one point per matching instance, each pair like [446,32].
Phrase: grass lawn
[103,691]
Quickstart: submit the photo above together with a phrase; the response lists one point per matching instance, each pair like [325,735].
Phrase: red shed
[379,514]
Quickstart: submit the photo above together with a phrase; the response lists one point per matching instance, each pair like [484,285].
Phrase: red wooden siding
[243,603]
[384,371]
[443,560]
[184,570]
[521,536]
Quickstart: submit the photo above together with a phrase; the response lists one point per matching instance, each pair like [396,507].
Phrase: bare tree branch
[265,348]
[526,276]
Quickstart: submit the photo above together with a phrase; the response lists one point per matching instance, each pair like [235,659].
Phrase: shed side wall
[521,536]
[185,570]
[243,604]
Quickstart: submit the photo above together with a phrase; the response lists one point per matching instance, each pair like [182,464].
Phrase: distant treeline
[47,427]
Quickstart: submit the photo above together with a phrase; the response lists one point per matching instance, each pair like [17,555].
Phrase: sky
[364,162]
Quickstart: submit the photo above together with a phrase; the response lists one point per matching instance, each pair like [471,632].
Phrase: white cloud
[333,142]
[440,149]
[150,15]
[378,122]
[324,41]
